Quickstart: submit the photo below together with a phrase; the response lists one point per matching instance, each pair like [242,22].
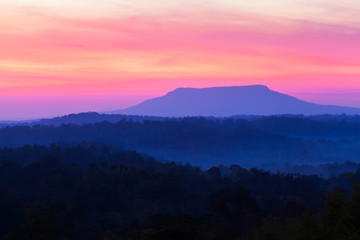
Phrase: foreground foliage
[90,192]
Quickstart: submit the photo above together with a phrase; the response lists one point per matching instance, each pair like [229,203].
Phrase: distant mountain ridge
[230,101]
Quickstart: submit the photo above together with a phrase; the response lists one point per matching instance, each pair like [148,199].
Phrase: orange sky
[108,54]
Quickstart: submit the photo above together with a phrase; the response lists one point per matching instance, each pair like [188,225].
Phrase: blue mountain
[229,101]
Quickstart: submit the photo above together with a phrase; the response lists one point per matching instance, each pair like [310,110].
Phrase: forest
[138,178]
[89,191]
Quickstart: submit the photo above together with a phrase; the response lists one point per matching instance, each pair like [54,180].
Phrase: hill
[229,101]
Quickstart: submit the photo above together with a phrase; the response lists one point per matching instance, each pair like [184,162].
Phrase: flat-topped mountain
[229,101]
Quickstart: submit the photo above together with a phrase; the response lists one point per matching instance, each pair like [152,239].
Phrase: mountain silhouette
[229,101]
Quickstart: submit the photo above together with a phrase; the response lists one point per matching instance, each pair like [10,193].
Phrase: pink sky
[58,57]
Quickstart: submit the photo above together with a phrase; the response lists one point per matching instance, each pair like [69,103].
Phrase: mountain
[229,101]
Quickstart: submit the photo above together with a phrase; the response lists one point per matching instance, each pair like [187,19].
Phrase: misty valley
[297,144]
[100,176]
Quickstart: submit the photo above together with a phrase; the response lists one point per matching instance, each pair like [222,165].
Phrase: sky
[65,56]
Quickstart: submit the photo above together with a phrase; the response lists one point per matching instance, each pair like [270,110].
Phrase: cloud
[155,50]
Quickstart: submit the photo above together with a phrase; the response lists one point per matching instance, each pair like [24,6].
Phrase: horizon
[60,57]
